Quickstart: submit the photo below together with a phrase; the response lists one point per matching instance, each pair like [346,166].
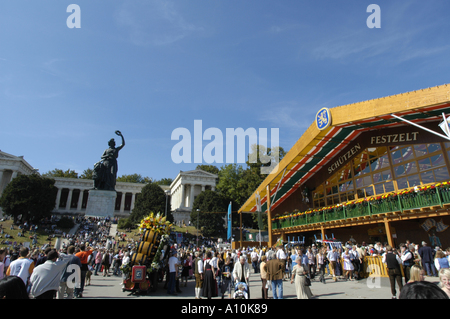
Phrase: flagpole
[229,226]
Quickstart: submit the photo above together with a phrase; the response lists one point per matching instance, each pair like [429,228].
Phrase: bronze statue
[105,170]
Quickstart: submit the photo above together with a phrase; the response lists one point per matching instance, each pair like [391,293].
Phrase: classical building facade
[185,187]
[10,167]
[73,193]
[72,196]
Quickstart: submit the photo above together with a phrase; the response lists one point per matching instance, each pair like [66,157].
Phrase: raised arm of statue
[123,141]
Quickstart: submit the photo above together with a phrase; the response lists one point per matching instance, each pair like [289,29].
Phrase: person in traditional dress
[348,265]
[209,278]
[299,274]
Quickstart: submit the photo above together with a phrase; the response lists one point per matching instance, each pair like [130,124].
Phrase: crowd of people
[44,272]
[47,272]
[223,271]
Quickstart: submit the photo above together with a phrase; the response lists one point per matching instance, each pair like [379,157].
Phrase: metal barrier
[372,266]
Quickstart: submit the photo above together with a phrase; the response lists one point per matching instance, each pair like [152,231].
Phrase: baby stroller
[241,291]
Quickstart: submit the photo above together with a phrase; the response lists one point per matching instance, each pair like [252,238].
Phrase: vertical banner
[229,235]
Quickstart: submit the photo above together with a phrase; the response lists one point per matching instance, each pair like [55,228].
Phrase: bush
[65,222]
[125,223]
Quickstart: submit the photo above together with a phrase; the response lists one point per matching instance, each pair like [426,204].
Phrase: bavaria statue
[105,170]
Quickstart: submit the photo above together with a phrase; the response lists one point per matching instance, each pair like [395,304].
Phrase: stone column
[80,200]
[203,188]
[58,198]
[183,199]
[14,175]
[191,196]
[69,199]
[133,198]
[1,181]
[122,202]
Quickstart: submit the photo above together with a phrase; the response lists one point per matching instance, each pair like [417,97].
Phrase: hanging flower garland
[372,200]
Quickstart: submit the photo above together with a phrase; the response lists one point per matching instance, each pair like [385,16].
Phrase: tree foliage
[151,199]
[208,168]
[212,210]
[61,173]
[87,174]
[164,181]
[134,178]
[31,197]
[238,184]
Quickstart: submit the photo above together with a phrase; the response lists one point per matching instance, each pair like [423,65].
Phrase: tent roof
[315,148]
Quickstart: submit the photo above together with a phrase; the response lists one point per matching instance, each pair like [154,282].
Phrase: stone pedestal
[58,242]
[101,203]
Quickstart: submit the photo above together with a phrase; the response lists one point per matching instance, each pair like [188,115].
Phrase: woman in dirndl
[209,278]
[348,265]
[186,267]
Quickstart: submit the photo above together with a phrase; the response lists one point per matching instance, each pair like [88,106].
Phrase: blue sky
[148,67]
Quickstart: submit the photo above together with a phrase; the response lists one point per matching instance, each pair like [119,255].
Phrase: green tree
[60,173]
[268,155]
[164,181]
[238,184]
[209,168]
[134,178]
[29,198]
[125,223]
[151,199]
[212,208]
[229,176]
[264,221]
[87,174]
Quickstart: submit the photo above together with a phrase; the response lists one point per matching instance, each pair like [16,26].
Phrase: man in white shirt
[241,272]
[281,256]
[254,258]
[173,271]
[22,267]
[198,271]
[393,263]
[356,261]
[332,257]
[407,261]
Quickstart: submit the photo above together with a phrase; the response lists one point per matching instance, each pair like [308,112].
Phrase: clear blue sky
[147,67]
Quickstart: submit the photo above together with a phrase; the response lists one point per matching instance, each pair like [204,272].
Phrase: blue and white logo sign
[323,118]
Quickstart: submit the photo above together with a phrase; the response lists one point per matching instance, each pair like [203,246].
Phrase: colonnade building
[73,193]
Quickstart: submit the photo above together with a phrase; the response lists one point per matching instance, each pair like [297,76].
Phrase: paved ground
[373,288]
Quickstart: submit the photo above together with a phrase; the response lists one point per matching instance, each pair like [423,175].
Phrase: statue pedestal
[101,203]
